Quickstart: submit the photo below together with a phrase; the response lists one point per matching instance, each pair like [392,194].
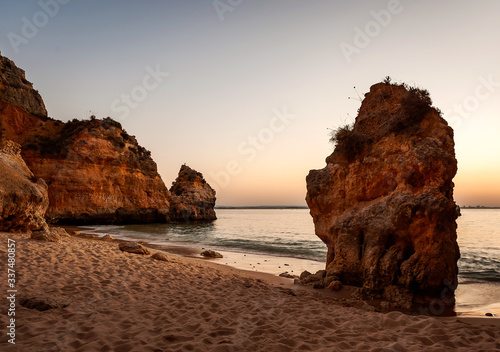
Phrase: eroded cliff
[95,171]
[23,197]
[384,204]
[192,198]
[17,90]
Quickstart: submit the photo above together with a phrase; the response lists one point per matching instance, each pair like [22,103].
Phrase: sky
[247,91]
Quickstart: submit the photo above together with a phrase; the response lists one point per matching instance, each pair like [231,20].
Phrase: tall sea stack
[192,198]
[384,204]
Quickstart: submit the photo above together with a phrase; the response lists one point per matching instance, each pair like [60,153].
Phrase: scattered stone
[134,247]
[288,275]
[42,303]
[108,238]
[211,254]
[335,286]
[160,256]
[489,314]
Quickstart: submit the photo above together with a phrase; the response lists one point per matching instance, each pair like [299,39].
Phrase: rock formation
[192,198]
[16,90]
[384,204]
[23,198]
[95,171]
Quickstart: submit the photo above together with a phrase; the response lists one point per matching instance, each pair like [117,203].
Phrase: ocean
[270,240]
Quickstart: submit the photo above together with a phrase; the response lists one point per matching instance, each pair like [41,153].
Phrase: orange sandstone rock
[23,197]
[384,204]
[95,171]
[192,198]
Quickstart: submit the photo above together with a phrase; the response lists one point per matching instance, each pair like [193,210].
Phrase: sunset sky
[246,91]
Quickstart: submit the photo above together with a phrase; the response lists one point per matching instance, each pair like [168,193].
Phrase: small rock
[211,254]
[335,286]
[134,247]
[489,314]
[41,303]
[317,279]
[288,275]
[296,281]
[160,256]
[108,238]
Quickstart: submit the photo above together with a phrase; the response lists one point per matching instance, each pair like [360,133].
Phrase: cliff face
[384,205]
[192,198]
[15,89]
[95,171]
[23,198]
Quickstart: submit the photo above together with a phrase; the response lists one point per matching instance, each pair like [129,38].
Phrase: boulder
[316,280]
[211,254]
[383,205]
[192,198]
[23,197]
[134,247]
[53,234]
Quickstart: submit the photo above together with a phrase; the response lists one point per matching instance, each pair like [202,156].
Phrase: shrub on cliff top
[415,104]
[349,142]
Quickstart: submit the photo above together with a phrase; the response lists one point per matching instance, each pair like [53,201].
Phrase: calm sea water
[290,233]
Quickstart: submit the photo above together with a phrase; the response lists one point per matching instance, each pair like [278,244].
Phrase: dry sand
[127,302]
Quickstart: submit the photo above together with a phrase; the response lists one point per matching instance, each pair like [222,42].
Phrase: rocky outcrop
[23,197]
[192,198]
[95,171]
[17,90]
[384,204]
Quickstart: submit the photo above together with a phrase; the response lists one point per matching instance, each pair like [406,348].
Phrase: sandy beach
[108,300]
